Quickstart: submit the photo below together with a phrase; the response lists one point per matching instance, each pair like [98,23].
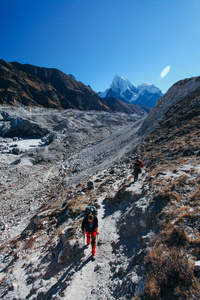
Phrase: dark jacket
[137,166]
[86,225]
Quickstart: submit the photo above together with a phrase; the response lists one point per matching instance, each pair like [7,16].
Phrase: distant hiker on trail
[137,169]
[90,227]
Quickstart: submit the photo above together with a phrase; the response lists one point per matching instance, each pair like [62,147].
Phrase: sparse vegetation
[170,261]
[169,273]
[172,165]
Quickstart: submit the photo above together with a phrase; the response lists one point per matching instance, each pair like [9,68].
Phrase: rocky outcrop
[13,126]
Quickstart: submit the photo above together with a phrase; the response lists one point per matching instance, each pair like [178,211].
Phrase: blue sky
[97,39]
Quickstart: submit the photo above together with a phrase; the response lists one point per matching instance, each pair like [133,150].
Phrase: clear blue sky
[97,39]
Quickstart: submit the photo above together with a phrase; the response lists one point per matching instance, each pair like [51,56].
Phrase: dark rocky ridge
[187,88]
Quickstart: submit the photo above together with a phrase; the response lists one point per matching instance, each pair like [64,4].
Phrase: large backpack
[141,163]
[138,164]
[91,209]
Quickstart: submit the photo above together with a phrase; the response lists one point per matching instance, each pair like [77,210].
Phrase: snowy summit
[145,94]
[121,85]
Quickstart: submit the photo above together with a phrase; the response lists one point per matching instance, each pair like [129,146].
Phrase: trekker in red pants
[90,228]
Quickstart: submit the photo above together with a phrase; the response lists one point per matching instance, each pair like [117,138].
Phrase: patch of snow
[29,143]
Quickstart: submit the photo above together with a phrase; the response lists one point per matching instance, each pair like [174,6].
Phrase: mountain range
[30,85]
[121,88]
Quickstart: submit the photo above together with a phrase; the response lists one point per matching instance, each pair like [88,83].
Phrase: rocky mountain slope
[35,86]
[148,246]
[183,88]
[172,156]
[145,94]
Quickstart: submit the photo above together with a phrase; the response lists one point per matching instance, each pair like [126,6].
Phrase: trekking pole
[84,239]
[97,239]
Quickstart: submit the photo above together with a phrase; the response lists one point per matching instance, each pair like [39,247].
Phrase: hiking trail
[91,281]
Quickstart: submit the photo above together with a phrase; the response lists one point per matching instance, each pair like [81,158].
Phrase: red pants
[91,238]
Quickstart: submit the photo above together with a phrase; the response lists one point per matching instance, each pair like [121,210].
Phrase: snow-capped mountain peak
[120,88]
[145,94]
[121,83]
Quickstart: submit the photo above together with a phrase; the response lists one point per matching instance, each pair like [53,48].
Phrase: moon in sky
[165,71]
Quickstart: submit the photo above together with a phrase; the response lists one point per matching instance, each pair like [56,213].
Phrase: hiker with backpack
[90,227]
[137,169]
